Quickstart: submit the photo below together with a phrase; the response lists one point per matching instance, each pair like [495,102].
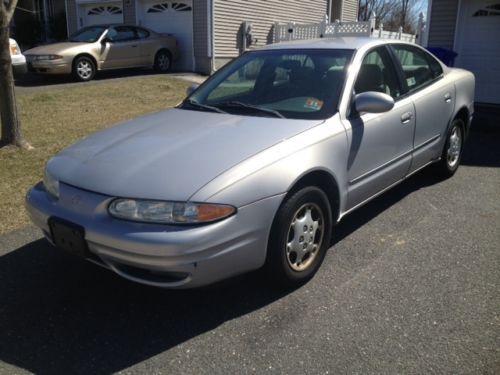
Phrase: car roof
[352,43]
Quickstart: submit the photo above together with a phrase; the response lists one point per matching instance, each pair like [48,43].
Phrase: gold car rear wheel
[163,61]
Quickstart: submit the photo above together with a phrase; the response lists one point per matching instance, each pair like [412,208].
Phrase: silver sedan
[255,166]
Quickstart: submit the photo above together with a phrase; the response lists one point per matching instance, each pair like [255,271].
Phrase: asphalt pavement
[411,285]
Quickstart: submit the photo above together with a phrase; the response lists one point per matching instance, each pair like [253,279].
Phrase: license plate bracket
[68,236]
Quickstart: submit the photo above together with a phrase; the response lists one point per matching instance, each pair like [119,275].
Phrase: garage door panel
[478,47]
[171,17]
[98,13]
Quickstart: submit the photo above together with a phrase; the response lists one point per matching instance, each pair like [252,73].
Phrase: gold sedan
[104,47]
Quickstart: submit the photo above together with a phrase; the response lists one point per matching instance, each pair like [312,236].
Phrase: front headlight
[163,212]
[14,49]
[47,57]
[51,185]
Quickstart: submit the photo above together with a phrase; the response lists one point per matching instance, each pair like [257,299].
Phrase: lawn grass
[57,117]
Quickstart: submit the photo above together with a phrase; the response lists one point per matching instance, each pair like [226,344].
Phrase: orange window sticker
[313,103]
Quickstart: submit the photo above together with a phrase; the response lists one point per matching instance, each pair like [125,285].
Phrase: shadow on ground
[62,315]
[35,80]
[483,145]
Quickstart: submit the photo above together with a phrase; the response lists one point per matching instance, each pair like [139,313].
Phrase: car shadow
[481,148]
[59,314]
[36,80]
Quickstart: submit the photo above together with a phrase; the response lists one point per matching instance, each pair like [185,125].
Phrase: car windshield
[88,34]
[298,84]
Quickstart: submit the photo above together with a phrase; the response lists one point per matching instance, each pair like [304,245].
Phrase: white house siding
[349,10]
[229,15]
[443,22]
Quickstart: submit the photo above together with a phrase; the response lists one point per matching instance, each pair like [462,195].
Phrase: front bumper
[161,255]
[19,65]
[19,69]
[50,67]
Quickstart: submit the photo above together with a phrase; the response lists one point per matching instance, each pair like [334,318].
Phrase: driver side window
[121,34]
[377,74]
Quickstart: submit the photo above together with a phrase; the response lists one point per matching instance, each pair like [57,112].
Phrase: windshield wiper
[194,103]
[235,103]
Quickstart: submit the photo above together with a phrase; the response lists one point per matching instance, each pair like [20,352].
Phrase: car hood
[168,155]
[56,48]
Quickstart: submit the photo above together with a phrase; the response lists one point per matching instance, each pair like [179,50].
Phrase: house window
[97,11]
[181,7]
[163,7]
[158,8]
[490,10]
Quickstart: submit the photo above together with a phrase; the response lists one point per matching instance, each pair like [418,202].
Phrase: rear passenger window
[377,74]
[142,34]
[416,66]
[435,66]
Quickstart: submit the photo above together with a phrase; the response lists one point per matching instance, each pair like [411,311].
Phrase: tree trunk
[11,127]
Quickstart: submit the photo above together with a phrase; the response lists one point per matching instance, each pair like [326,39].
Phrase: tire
[84,69]
[300,237]
[452,151]
[163,61]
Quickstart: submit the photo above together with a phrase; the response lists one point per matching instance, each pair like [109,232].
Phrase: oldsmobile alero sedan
[104,47]
[257,164]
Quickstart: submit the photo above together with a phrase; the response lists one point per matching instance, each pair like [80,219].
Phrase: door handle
[406,117]
[447,97]
[134,45]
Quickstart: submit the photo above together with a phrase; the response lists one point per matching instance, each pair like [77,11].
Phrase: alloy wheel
[305,237]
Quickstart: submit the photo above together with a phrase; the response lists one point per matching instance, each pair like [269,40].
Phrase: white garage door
[101,13]
[478,47]
[171,17]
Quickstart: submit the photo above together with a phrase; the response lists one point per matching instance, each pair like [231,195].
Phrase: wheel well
[463,114]
[88,56]
[326,182]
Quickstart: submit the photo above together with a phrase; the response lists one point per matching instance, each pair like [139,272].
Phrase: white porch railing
[324,29]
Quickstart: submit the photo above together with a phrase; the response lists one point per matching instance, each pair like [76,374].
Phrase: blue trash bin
[444,54]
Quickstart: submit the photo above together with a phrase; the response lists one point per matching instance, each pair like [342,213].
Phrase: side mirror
[191,89]
[373,102]
[105,40]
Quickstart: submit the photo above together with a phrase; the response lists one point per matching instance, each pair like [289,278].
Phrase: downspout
[46,19]
[212,37]
[330,11]
[66,14]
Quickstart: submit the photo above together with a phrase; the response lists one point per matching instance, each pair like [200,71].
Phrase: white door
[100,13]
[171,17]
[478,46]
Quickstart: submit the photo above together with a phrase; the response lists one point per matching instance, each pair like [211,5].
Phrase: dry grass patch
[55,118]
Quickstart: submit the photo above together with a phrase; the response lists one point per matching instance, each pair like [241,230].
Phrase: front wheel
[452,152]
[300,237]
[84,69]
[163,62]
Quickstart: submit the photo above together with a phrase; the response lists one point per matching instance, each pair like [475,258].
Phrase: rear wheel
[84,69]
[300,237]
[452,152]
[163,61]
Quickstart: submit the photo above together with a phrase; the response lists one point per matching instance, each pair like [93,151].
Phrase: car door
[380,143]
[122,49]
[148,46]
[433,98]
